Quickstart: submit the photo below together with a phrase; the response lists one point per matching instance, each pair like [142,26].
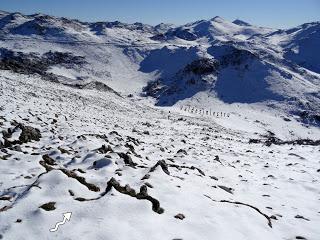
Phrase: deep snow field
[225,187]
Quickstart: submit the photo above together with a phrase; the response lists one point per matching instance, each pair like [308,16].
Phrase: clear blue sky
[271,13]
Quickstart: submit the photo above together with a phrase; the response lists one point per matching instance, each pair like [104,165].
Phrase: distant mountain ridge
[232,62]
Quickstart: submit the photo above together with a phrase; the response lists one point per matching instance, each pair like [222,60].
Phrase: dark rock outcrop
[142,195]
[202,66]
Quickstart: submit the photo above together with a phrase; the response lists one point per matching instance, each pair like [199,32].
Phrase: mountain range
[209,130]
[232,62]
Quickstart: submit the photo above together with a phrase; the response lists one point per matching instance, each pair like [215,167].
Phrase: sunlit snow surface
[224,187]
[281,181]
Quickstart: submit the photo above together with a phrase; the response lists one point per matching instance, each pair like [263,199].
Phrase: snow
[226,187]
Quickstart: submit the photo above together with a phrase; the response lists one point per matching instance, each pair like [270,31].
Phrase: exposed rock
[147,176]
[16,148]
[244,204]
[71,193]
[142,195]
[302,217]
[163,165]
[188,167]
[301,238]
[63,151]
[5,198]
[103,149]
[183,33]
[214,178]
[50,206]
[32,63]
[276,141]
[216,158]
[82,180]
[155,88]
[71,174]
[48,160]
[227,189]
[95,85]
[127,159]
[182,151]
[202,66]
[179,216]
[29,133]
[148,185]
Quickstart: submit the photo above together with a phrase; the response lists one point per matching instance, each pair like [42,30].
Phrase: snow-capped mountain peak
[159,55]
[241,23]
[217,19]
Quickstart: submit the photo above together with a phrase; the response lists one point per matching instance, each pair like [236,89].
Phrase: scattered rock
[29,133]
[71,193]
[227,189]
[179,216]
[163,165]
[148,185]
[63,151]
[147,176]
[16,148]
[182,151]
[302,217]
[80,170]
[103,149]
[127,159]
[5,198]
[214,178]
[301,238]
[216,158]
[48,160]
[50,206]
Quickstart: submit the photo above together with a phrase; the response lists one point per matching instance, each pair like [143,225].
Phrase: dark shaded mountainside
[234,62]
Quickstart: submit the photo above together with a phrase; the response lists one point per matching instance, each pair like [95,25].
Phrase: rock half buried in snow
[50,206]
[179,216]
[29,133]
[142,195]
[127,159]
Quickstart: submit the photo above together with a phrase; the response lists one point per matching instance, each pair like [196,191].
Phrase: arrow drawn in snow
[66,217]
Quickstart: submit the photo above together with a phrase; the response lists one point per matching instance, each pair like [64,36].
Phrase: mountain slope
[201,131]
[255,65]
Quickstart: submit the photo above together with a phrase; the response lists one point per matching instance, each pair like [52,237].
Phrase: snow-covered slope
[254,64]
[208,130]
[300,44]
